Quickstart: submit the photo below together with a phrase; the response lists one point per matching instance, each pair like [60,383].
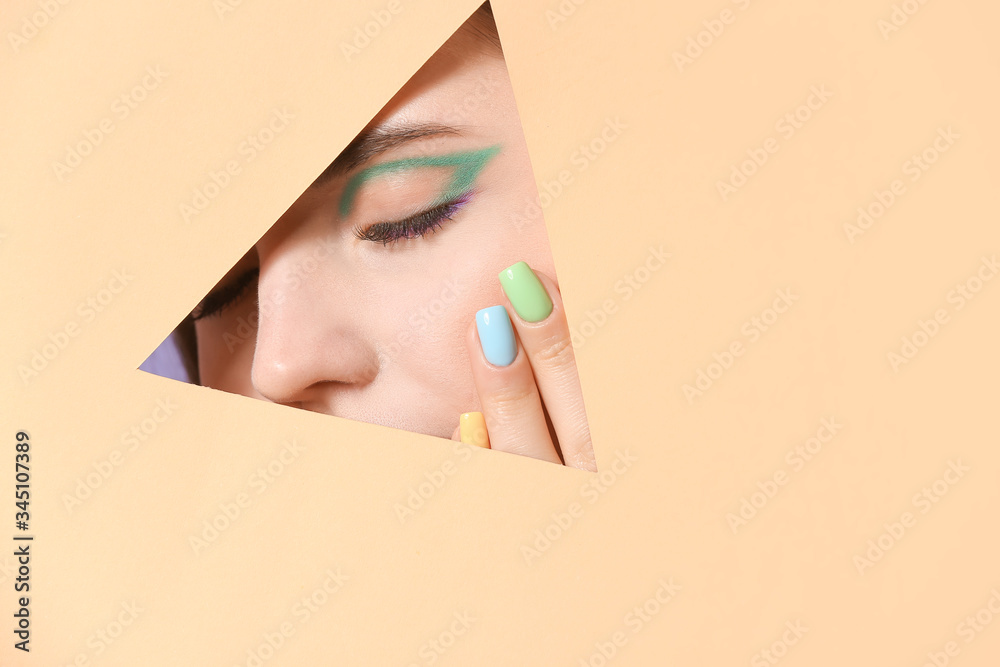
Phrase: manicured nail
[496,335]
[525,292]
[472,429]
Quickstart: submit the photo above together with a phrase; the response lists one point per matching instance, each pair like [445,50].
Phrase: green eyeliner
[467,166]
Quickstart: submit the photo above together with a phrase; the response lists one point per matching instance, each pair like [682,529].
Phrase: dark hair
[484,26]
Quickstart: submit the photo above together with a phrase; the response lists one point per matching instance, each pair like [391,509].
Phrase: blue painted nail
[496,335]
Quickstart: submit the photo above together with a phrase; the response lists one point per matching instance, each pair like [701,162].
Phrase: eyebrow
[377,140]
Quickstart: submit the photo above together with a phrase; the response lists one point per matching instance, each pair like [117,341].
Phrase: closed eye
[413,226]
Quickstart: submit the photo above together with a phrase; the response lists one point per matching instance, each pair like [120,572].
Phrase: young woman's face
[366,320]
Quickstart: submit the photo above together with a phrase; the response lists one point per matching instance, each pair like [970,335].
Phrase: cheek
[424,326]
[517,230]
[425,320]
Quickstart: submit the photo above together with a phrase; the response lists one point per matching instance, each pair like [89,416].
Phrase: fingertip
[528,295]
[472,429]
[495,337]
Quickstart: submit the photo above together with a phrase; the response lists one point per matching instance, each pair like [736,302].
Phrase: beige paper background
[664,517]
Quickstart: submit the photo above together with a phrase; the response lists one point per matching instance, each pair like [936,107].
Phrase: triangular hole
[360,300]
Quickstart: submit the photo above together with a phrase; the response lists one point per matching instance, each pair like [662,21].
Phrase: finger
[509,398]
[456,434]
[540,320]
[472,430]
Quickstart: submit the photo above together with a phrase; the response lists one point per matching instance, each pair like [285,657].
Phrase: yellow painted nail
[472,429]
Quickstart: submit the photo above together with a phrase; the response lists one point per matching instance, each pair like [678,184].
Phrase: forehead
[464,79]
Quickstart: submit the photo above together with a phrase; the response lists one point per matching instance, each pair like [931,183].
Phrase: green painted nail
[525,292]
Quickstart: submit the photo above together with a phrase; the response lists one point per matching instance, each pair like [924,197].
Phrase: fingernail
[472,429]
[496,335]
[525,292]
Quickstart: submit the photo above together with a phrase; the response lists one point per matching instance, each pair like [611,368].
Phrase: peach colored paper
[794,413]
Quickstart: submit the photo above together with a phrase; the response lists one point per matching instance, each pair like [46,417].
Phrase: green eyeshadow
[467,165]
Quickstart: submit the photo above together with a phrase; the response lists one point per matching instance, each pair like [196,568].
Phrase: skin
[385,333]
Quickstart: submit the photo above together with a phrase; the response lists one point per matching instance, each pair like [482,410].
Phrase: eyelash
[414,226]
[224,297]
[385,233]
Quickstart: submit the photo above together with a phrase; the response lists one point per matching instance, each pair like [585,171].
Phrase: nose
[310,344]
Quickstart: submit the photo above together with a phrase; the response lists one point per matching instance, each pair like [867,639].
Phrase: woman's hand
[526,376]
